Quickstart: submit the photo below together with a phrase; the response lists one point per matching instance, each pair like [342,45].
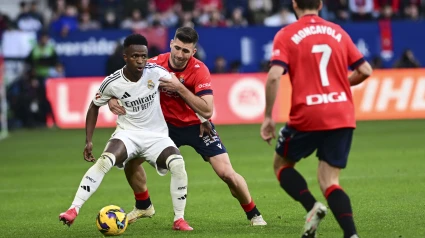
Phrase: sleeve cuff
[97,103]
[357,63]
[280,63]
[204,92]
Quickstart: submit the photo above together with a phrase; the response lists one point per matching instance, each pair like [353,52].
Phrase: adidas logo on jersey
[197,66]
[126,95]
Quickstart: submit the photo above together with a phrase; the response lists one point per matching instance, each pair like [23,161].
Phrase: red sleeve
[280,51]
[354,56]
[154,60]
[202,82]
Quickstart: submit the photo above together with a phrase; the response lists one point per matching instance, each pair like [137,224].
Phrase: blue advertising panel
[252,45]
[85,53]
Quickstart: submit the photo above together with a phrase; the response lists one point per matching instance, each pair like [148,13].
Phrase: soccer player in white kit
[141,133]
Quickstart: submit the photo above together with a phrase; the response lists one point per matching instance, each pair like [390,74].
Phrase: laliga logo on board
[247,98]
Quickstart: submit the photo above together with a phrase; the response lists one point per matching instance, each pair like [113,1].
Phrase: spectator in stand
[235,67]
[220,65]
[258,10]
[115,6]
[361,10]
[110,21]
[87,23]
[386,12]
[88,6]
[407,60]
[66,22]
[388,9]
[135,21]
[237,19]
[216,19]
[283,17]
[42,57]
[29,18]
[186,20]
[338,10]
[376,62]
[410,9]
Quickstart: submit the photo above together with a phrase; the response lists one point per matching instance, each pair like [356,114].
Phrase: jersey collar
[307,17]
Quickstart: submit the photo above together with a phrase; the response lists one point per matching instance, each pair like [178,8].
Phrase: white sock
[178,185]
[92,179]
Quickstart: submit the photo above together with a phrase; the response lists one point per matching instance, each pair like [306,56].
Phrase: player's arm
[279,65]
[272,85]
[279,62]
[91,120]
[361,68]
[360,74]
[202,102]
[202,105]
[102,97]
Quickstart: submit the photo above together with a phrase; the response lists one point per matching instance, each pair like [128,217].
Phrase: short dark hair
[135,39]
[187,35]
[308,4]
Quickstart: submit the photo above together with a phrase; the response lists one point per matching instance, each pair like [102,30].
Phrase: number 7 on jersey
[326,51]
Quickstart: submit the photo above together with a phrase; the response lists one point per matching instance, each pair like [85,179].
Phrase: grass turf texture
[41,170]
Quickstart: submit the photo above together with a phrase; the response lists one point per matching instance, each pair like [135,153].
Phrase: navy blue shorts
[189,135]
[333,146]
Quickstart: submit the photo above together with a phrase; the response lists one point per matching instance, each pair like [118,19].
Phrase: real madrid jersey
[140,99]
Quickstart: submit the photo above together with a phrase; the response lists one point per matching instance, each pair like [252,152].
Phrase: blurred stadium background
[54,53]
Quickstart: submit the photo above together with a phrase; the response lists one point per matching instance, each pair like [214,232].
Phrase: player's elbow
[365,69]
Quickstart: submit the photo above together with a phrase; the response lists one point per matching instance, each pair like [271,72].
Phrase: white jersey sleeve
[104,94]
[161,71]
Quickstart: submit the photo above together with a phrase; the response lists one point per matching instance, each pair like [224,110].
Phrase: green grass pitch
[41,170]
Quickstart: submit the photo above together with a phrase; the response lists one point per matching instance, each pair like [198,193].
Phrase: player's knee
[105,162]
[176,165]
[228,175]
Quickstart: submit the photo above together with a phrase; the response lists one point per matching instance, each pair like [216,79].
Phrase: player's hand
[268,130]
[206,127]
[171,85]
[115,107]
[88,156]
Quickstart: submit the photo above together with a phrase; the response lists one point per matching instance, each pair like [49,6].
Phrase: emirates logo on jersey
[151,84]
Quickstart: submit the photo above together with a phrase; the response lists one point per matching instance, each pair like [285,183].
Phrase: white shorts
[143,144]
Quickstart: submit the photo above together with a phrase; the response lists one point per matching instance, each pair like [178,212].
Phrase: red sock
[248,207]
[141,196]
